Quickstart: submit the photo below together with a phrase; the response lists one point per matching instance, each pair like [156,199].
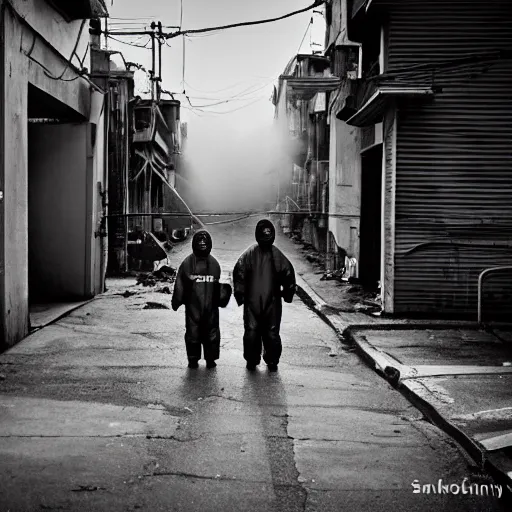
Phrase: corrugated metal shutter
[454,157]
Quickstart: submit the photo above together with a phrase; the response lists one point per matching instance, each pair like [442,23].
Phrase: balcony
[370,97]
[152,134]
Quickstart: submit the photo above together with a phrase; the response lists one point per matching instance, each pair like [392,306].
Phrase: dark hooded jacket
[263,274]
[197,287]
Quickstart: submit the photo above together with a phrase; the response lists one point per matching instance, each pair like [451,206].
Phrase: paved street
[98,412]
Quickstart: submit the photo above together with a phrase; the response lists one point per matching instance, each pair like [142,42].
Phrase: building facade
[426,129]
[303,131]
[52,169]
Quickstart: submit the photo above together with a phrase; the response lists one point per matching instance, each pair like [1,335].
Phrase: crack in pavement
[219,478]
[106,436]
[366,443]
[174,438]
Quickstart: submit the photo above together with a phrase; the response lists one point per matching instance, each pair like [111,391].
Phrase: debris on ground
[88,488]
[127,294]
[351,294]
[163,274]
[363,308]
[154,305]
[146,280]
[335,275]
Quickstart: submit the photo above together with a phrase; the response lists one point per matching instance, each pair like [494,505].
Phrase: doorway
[371,217]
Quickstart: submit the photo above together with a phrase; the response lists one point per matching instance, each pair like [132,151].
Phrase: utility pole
[153,58]
[159,79]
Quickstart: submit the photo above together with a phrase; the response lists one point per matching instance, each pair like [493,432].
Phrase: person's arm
[179,292]
[223,291]
[239,279]
[286,278]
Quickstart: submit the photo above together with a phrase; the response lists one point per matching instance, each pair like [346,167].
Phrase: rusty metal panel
[453,211]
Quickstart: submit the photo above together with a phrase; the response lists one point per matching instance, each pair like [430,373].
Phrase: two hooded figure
[262,278]
[198,288]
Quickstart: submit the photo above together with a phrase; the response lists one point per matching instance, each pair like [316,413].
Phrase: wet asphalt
[99,412]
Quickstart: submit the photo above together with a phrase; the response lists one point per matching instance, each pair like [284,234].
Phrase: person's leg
[271,325]
[193,347]
[211,347]
[252,340]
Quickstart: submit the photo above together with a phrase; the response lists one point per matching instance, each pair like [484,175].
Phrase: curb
[59,317]
[392,371]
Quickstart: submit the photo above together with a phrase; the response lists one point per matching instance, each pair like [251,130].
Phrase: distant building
[155,165]
[118,81]
[52,172]
[301,118]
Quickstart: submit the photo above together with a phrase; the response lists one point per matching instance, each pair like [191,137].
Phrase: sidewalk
[458,375]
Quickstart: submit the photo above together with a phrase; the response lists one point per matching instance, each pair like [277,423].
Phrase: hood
[265,233]
[202,243]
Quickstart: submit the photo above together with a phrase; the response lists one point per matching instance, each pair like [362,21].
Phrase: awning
[305,88]
[371,112]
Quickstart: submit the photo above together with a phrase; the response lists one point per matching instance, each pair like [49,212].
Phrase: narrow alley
[322,187]
[100,412]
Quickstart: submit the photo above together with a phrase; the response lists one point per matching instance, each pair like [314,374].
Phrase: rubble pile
[164,274]
[352,294]
[335,275]
[154,305]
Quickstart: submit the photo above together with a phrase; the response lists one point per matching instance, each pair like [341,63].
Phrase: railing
[481,278]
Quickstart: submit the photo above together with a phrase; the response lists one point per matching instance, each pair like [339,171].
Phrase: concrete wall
[54,28]
[13,184]
[345,185]
[26,55]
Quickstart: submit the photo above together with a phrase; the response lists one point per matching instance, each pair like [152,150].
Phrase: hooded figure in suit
[262,278]
[197,287]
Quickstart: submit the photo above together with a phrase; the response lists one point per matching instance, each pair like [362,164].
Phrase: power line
[212,112]
[178,33]
[305,33]
[222,102]
[217,90]
[317,3]
[237,97]
[145,46]
[131,19]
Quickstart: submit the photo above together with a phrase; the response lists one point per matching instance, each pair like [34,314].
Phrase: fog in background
[230,170]
[224,81]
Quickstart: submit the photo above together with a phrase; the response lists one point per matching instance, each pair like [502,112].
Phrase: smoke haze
[230,166]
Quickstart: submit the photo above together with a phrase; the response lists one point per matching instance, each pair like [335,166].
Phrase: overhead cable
[246,23]
[236,97]
[305,34]
[217,90]
[178,33]
[144,46]
[212,112]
